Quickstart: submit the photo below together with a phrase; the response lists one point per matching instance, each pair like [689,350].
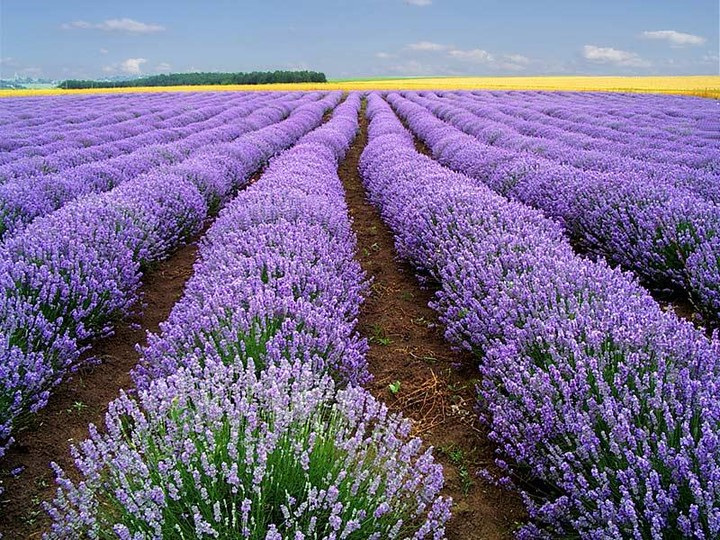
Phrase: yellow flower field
[705,86]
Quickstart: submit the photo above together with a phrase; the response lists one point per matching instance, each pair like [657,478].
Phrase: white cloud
[412,68]
[676,39]
[163,67]
[131,66]
[418,2]
[480,56]
[427,46]
[504,62]
[452,61]
[608,55]
[116,25]
[104,51]
[84,25]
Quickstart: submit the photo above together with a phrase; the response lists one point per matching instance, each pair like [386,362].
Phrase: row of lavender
[658,122]
[67,277]
[25,122]
[104,142]
[496,125]
[586,384]
[43,126]
[57,147]
[516,122]
[25,198]
[662,120]
[249,421]
[499,126]
[41,111]
[668,236]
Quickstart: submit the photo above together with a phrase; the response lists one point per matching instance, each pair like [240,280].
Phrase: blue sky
[360,38]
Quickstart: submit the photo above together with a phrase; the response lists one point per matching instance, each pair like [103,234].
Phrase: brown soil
[83,400]
[431,383]
[328,114]
[679,303]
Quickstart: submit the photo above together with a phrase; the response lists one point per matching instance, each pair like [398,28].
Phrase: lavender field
[564,382]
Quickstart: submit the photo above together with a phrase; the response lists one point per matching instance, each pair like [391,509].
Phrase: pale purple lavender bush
[276,277]
[240,429]
[228,451]
[26,198]
[648,219]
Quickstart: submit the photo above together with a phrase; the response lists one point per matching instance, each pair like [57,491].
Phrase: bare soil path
[417,372]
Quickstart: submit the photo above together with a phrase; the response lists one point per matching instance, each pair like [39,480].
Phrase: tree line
[196,79]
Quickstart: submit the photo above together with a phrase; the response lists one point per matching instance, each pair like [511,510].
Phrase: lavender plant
[227,453]
[26,198]
[262,288]
[643,223]
[607,401]
[239,429]
[70,275]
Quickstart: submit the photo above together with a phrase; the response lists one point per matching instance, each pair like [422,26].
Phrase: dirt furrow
[415,370]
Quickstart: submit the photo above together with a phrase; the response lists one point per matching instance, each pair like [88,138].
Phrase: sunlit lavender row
[40,127]
[551,228]
[37,192]
[659,219]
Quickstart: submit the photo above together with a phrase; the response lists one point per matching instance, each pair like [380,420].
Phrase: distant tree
[209,78]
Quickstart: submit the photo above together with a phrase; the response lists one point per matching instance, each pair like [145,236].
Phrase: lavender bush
[226,453]
[240,430]
[604,399]
[171,119]
[26,198]
[647,225]
[503,122]
[69,276]
[261,289]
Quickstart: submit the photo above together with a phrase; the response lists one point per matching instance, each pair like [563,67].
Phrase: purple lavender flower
[261,290]
[650,219]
